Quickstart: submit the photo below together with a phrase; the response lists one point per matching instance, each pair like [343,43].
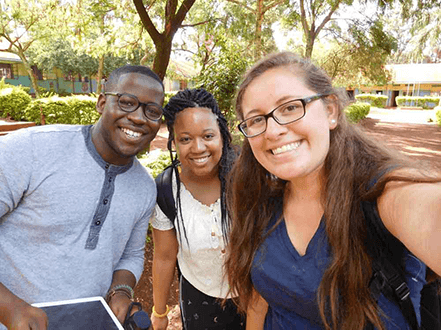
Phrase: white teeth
[286,147]
[131,133]
[200,160]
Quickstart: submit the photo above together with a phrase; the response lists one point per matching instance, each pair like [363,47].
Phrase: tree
[22,23]
[422,20]
[223,75]
[172,19]
[358,56]
[258,12]
[61,55]
[313,16]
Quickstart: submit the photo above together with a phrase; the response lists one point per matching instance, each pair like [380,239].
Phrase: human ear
[100,104]
[332,111]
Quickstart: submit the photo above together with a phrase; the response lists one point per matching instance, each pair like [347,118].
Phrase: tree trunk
[310,39]
[30,73]
[99,76]
[258,37]
[163,41]
[162,57]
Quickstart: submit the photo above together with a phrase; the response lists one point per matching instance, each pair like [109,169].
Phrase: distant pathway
[160,141]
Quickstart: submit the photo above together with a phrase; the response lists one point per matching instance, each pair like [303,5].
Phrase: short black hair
[141,69]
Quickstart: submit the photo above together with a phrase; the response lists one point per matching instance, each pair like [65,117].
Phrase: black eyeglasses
[129,103]
[285,113]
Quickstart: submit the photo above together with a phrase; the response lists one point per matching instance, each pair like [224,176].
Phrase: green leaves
[222,77]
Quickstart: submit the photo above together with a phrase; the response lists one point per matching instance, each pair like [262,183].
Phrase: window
[69,77]
[6,71]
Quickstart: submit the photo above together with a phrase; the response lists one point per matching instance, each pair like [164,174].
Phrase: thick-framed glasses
[285,113]
[130,103]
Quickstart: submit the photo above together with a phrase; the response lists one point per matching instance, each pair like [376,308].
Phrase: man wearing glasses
[75,204]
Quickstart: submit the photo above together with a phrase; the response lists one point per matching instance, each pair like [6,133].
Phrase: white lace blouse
[201,258]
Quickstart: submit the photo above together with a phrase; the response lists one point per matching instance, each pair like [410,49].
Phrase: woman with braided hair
[197,236]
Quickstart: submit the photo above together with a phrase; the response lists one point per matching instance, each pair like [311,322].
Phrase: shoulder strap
[388,274]
[431,306]
[165,197]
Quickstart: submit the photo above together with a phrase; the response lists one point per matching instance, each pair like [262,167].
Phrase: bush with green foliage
[13,102]
[425,102]
[155,161]
[438,114]
[168,95]
[3,84]
[222,77]
[378,101]
[357,111]
[75,110]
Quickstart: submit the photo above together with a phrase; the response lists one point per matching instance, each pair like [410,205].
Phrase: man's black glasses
[130,103]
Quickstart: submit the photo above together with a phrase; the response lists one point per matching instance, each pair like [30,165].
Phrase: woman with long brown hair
[299,253]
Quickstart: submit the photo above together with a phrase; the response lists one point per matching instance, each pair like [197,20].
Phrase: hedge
[156,161]
[378,101]
[357,111]
[438,114]
[14,101]
[425,102]
[75,110]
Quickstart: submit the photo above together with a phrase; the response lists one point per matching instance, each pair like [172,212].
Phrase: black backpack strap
[388,274]
[165,198]
[431,306]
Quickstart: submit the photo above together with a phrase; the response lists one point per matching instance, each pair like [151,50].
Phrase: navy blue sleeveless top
[289,282]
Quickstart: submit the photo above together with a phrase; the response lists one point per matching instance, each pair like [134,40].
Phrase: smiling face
[119,135]
[198,142]
[294,150]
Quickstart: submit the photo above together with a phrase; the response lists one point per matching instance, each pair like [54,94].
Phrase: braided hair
[200,98]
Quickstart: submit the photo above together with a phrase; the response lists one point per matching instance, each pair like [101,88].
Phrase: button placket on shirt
[102,208]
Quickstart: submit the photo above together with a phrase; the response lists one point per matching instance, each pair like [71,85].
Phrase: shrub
[167,96]
[4,85]
[156,161]
[378,101]
[438,115]
[14,101]
[425,102]
[357,111]
[75,110]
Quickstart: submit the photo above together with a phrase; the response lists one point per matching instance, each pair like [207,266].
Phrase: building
[422,79]
[180,76]
[14,72]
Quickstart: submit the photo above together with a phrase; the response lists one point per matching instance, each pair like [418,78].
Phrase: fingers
[29,318]
[119,304]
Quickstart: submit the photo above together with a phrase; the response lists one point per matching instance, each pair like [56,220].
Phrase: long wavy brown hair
[353,161]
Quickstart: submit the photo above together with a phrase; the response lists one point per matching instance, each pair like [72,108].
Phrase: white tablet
[91,313]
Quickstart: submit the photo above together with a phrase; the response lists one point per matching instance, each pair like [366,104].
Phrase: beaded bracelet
[161,315]
[122,288]
[125,286]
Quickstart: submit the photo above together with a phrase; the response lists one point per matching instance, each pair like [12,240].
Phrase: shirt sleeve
[133,256]
[16,159]
[160,221]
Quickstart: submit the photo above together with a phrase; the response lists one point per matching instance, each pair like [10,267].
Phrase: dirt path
[404,130]
[417,140]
